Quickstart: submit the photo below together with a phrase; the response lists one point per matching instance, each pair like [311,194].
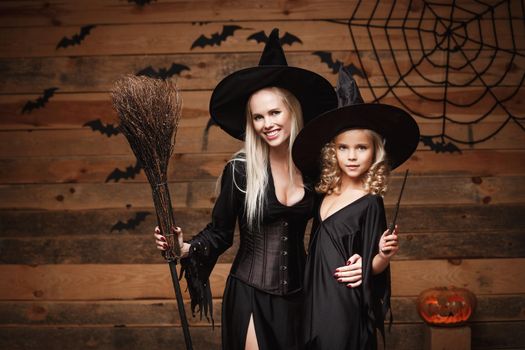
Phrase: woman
[358,144]
[262,190]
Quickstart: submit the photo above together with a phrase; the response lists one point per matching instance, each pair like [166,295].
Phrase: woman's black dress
[267,274]
[336,316]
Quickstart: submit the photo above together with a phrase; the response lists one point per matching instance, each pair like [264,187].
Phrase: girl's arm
[388,247]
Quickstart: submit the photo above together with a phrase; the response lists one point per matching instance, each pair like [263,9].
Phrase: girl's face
[355,152]
[271,118]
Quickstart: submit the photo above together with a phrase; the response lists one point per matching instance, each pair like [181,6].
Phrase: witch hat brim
[398,129]
[230,97]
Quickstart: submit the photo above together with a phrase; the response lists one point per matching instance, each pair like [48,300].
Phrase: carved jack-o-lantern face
[445,306]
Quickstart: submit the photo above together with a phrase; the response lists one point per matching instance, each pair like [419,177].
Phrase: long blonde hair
[256,152]
[375,180]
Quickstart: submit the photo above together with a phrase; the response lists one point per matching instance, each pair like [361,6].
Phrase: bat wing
[427,141]
[451,148]
[48,93]
[131,171]
[119,226]
[116,175]
[110,130]
[227,31]
[28,107]
[259,37]
[84,31]
[289,39]
[355,71]
[326,57]
[176,69]
[137,220]
[201,41]
[149,71]
[95,125]
[64,42]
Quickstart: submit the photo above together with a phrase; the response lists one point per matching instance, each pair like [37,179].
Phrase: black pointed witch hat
[229,98]
[399,130]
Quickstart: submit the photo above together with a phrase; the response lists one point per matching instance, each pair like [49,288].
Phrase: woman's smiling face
[271,118]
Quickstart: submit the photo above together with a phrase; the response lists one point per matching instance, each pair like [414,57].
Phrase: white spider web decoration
[459,58]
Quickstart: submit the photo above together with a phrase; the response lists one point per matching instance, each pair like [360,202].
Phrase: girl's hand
[352,273]
[389,244]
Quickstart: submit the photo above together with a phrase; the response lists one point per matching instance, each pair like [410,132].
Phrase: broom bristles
[149,111]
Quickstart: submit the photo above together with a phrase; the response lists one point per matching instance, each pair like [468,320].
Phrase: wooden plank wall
[70,278]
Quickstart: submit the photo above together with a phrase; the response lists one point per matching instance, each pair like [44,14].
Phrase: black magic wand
[392,226]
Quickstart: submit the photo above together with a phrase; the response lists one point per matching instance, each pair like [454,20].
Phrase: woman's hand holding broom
[163,245]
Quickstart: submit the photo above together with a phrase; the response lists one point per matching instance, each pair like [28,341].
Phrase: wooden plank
[481,276]
[111,249]
[116,249]
[73,110]
[102,313]
[204,71]
[315,35]
[423,190]
[183,167]
[106,338]
[163,312]
[412,220]
[497,335]
[208,166]
[84,142]
[66,111]
[125,281]
[489,308]
[22,223]
[76,196]
[54,12]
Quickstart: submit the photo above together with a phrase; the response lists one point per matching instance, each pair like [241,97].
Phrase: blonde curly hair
[375,180]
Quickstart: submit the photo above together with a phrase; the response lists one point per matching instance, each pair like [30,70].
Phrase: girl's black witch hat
[399,130]
[229,98]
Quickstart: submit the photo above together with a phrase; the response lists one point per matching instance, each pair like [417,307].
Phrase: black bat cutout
[75,39]
[211,123]
[326,57]
[141,2]
[40,101]
[216,38]
[163,73]
[439,147]
[286,39]
[129,173]
[132,223]
[97,125]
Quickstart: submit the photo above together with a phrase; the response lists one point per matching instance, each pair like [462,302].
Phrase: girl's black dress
[266,277]
[339,317]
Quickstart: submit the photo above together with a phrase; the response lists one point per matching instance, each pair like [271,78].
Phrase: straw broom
[149,111]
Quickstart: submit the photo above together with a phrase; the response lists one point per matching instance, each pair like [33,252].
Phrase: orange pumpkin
[446,306]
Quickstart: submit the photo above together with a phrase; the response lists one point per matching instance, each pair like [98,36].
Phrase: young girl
[262,191]
[358,144]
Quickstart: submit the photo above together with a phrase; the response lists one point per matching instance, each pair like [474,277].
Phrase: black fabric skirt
[277,319]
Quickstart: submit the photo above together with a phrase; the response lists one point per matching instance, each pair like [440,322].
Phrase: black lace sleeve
[214,239]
